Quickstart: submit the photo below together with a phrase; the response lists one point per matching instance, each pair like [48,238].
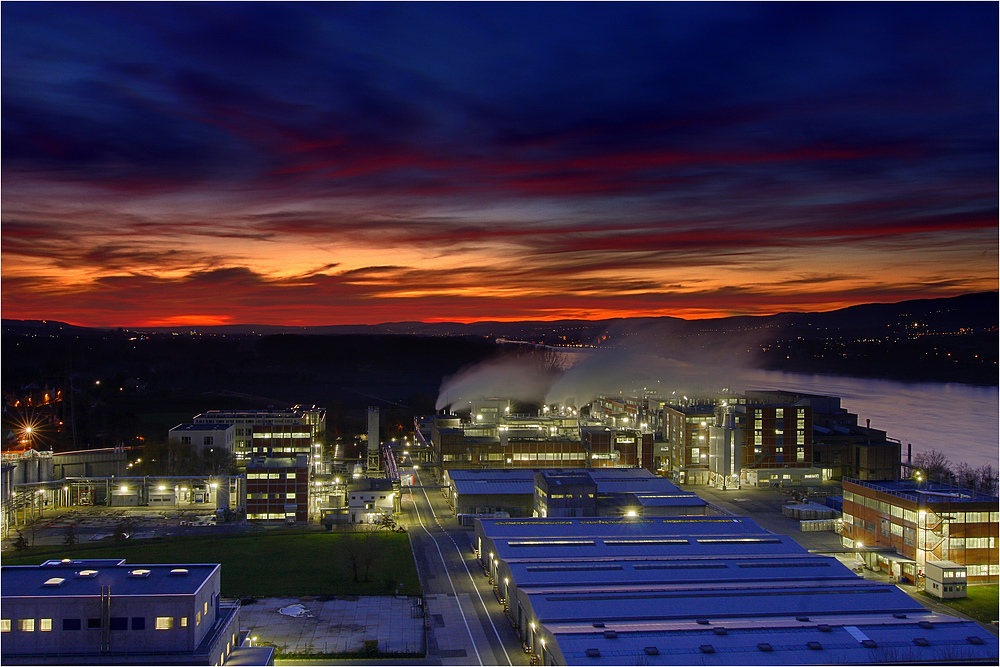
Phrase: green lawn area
[981,604]
[266,563]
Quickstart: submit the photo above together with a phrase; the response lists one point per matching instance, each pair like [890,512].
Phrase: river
[963,421]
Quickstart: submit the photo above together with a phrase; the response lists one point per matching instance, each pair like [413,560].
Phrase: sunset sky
[309,164]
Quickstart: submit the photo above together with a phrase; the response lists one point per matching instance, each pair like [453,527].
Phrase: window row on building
[115,624]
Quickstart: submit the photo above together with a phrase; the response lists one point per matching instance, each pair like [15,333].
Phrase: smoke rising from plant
[646,359]
[516,376]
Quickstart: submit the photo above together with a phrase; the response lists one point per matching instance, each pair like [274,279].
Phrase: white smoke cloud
[653,363]
[516,378]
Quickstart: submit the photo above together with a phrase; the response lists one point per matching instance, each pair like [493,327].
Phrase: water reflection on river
[962,421]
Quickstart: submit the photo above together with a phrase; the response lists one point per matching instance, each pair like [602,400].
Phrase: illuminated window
[5,625]
[197,618]
[164,622]
[26,624]
[800,454]
[45,625]
[184,621]
[206,607]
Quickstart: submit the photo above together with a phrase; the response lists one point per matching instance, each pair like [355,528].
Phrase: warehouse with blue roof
[703,590]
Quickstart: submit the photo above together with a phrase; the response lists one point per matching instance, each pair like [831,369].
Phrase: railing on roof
[931,492]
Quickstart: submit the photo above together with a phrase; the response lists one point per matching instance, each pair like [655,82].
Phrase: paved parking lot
[339,624]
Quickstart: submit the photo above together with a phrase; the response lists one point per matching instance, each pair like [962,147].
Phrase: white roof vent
[86,574]
[139,573]
[54,581]
[179,571]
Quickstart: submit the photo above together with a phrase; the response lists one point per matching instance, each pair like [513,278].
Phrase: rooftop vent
[703,621]
[899,615]
[139,573]
[803,619]
[823,627]
[719,631]
[86,574]
[54,581]
[869,643]
[706,648]
[610,634]
[920,641]
[593,653]
[652,650]
[764,646]
[974,640]
[814,645]
[179,571]
[598,624]
[926,625]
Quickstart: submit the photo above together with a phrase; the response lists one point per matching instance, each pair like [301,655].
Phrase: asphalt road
[468,625]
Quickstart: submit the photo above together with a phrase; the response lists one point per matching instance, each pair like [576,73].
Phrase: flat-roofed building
[611,447]
[278,489]
[282,441]
[104,612]
[686,432]
[211,441]
[923,522]
[840,447]
[369,498]
[703,590]
[524,492]
[246,420]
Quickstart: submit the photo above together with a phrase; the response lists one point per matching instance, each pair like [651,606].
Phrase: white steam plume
[515,378]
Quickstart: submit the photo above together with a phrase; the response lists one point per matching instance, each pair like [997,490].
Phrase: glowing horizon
[361,164]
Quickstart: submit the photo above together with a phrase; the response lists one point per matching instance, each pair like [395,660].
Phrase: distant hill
[941,340]
[977,311]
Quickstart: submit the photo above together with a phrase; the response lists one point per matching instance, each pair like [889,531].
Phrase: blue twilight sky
[323,163]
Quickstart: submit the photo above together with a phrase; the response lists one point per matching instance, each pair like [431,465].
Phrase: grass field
[981,604]
[266,563]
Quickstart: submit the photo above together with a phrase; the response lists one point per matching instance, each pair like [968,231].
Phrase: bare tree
[966,476]
[363,547]
[986,479]
[935,465]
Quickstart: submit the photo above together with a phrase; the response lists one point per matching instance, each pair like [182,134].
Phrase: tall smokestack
[373,435]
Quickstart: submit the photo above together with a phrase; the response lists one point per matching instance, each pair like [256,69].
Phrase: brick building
[278,489]
[923,522]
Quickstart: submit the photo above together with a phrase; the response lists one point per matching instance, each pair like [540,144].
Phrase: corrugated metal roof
[493,487]
[809,645]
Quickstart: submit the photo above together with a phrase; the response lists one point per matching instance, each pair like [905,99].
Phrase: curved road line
[461,558]
[453,590]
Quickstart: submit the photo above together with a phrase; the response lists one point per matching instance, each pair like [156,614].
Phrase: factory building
[922,522]
[282,441]
[525,492]
[702,590]
[104,612]
[686,431]
[838,445]
[278,489]
[245,421]
[210,441]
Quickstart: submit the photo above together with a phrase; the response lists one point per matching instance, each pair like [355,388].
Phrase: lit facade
[925,522]
[102,611]
[278,489]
